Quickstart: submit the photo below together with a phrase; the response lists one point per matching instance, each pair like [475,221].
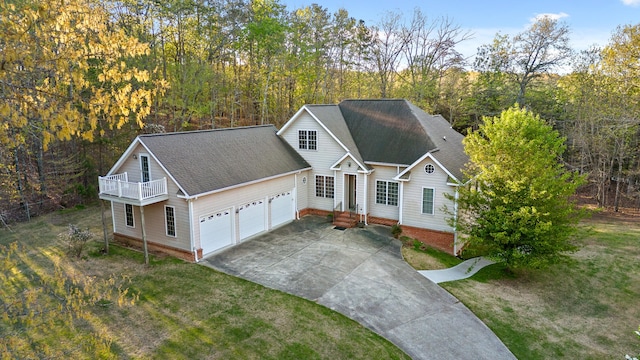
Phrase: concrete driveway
[361,274]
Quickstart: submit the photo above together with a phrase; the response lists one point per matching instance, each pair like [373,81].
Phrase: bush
[396,230]
[76,239]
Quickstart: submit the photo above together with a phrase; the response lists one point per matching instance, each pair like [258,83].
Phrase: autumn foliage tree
[64,73]
[518,208]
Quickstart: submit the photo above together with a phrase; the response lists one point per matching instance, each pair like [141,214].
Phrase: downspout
[191,238]
[400,202]
[113,217]
[366,195]
[455,223]
[295,196]
[335,182]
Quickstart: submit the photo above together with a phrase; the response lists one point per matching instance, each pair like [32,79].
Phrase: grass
[587,308]
[188,311]
[423,257]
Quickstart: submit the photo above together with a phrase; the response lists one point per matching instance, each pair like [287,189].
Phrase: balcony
[118,188]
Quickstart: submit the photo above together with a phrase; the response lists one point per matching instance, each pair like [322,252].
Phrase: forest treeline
[80,79]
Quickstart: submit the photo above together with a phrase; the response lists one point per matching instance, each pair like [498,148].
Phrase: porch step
[345,220]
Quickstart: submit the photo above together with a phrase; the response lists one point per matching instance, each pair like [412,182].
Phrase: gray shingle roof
[386,130]
[393,131]
[331,117]
[209,160]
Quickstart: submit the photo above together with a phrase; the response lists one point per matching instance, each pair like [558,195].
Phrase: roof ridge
[206,130]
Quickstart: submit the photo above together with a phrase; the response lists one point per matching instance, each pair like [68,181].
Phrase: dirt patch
[421,261]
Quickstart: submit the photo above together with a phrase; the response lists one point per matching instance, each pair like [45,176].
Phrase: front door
[351,198]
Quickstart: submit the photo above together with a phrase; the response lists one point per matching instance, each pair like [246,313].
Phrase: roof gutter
[196,196]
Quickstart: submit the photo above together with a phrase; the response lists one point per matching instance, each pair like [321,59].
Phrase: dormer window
[307,140]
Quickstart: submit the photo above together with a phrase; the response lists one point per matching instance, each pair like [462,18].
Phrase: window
[386,193]
[128,215]
[428,200]
[170,220]
[429,169]
[307,139]
[324,186]
[144,168]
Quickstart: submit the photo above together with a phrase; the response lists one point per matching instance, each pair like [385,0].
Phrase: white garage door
[281,208]
[215,231]
[251,218]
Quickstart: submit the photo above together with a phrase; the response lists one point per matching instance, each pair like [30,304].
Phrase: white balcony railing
[118,185]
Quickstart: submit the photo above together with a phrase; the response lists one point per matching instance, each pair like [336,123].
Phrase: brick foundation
[308,211]
[135,243]
[440,240]
[381,221]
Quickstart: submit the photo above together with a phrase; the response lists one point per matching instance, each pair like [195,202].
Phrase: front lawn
[179,311]
[586,309]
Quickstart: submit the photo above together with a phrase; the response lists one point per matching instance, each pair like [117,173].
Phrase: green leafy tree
[518,208]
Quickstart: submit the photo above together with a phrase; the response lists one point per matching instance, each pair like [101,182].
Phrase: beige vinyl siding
[384,173]
[154,215]
[235,197]
[303,190]
[132,166]
[412,198]
[121,223]
[328,152]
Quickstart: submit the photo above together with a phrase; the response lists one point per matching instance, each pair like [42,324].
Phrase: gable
[210,160]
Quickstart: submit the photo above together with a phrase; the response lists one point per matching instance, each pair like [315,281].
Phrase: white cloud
[631,2]
[558,16]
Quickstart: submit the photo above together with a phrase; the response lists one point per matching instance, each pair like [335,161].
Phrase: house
[191,194]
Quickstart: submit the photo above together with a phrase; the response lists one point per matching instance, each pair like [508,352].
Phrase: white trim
[387,192]
[334,166]
[192,240]
[140,156]
[400,202]
[365,206]
[374,163]
[196,196]
[297,114]
[421,159]
[124,156]
[307,148]
[128,152]
[455,222]
[433,209]
[113,217]
[166,222]
[133,216]
[315,187]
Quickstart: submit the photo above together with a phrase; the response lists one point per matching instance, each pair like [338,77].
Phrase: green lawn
[585,309]
[180,310]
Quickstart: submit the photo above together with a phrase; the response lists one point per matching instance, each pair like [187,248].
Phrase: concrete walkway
[361,274]
[465,269]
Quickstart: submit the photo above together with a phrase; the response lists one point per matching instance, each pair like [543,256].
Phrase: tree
[540,49]
[518,208]
[65,74]
[387,49]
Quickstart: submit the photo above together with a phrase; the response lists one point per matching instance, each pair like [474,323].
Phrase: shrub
[76,239]
[396,230]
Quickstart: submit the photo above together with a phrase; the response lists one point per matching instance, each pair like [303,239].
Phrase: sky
[591,21]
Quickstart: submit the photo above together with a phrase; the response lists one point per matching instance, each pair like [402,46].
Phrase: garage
[216,231]
[251,218]
[281,208]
